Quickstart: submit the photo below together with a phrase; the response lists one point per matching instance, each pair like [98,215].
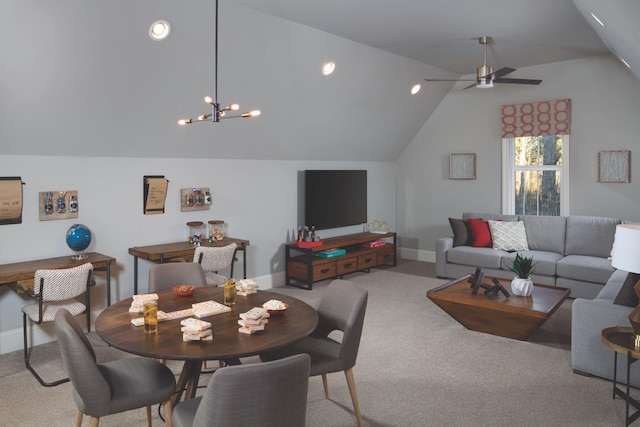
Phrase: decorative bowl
[278,312]
[184,290]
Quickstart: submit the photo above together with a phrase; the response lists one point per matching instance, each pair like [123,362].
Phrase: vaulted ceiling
[83,78]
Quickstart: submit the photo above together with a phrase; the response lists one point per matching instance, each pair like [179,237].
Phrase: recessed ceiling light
[415,89]
[597,19]
[328,68]
[159,30]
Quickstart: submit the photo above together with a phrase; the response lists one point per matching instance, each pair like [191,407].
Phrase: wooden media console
[304,267]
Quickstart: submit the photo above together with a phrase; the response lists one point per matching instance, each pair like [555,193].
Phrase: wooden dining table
[114,326]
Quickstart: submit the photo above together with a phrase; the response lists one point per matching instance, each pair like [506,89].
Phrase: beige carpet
[416,367]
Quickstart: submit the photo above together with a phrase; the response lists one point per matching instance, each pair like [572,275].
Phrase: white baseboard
[39,334]
[417,254]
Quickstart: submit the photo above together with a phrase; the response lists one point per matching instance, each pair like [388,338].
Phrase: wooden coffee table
[515,317]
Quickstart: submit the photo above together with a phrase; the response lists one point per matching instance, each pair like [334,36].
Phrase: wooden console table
[307,268]
[184,250]
[26,270]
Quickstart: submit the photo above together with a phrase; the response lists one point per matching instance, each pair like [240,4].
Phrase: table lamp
[626,256]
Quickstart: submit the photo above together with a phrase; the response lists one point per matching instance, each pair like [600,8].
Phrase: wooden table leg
[188,381]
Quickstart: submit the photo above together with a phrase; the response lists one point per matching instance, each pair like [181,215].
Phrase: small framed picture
[462,166]
[614,166]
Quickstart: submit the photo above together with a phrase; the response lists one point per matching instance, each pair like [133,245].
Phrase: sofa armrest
[588,353]
[443,244]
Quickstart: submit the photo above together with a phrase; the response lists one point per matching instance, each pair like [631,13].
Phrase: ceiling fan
[485,76]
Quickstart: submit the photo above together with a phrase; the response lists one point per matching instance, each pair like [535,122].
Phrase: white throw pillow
[508,235]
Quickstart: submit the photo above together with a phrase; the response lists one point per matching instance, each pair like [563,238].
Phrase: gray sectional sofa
[588,318]
[571,252]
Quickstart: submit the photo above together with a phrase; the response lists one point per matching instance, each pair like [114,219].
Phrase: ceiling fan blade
[501,72]
[470,86]
[449,80]
[519,81]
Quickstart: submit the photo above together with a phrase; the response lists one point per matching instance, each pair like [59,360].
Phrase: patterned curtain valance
[536,118]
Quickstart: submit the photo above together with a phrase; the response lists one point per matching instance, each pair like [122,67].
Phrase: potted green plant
[523,267]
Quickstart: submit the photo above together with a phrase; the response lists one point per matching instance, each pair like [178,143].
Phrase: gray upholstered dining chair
[214,259]
[163,276]
[112,387]
[341,308]
[56,289]
[257,395]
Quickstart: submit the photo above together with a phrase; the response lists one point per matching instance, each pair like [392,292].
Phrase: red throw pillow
[481,233]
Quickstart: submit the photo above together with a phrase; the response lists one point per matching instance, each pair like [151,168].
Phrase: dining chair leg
[27,355]
[168,412]
[95,421]
[148,408]
[354,396]
[325,384]
[79,416]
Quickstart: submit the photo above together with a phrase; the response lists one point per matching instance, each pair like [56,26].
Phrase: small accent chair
[56,290]
[163,276]
[213,260]
[256,394]
[341,308]
[112,387]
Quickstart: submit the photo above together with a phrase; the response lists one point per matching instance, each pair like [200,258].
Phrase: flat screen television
[335,198]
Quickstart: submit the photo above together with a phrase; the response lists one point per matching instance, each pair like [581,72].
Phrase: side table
[621,340]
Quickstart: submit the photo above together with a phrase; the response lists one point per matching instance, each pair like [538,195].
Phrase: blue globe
[78,237]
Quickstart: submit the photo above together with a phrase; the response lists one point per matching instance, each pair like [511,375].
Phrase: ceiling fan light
[484,83]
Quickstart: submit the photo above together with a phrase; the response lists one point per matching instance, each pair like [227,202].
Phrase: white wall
[257,200]
[605,111]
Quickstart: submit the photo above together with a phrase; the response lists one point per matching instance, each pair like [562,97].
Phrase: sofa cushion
[585,268]
[481,233]
[545,233]
[590,235]
[545,262]
[461,232]
[508,236]
[611,289]
[475,257]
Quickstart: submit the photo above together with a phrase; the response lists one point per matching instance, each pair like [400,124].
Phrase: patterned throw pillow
[508,236]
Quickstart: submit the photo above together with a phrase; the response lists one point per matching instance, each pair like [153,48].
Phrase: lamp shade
[626,248]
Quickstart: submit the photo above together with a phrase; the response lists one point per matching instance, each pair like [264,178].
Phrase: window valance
[536,118]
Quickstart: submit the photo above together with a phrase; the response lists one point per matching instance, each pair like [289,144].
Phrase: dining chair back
[256,394]
[111,387]
[55,290]
[215,259]
[341,308]
[164,276]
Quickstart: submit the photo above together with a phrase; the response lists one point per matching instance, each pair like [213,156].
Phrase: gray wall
[605,111]
[257,200]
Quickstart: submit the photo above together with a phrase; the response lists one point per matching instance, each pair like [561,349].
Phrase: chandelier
[217,113]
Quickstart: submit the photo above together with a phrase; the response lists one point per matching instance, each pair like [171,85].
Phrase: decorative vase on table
[522,285]
[78,239]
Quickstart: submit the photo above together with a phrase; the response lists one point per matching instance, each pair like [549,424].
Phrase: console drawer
[386,256]
[324,271]
[345,266]
[366,261]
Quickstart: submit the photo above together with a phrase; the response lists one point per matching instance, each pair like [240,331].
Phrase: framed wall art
[614,166]
[462,166]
